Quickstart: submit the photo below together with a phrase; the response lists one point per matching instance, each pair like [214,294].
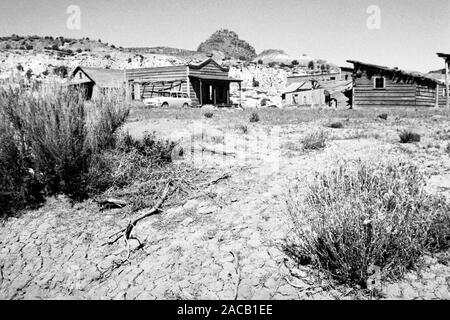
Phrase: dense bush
[208,114]
[315,140]
[58,136]
[383,116]
[408,137]
[361,216]
[254,117]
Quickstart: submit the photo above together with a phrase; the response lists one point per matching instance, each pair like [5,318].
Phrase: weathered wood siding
[441,98]
[425,96]
[165,78]
[396,92]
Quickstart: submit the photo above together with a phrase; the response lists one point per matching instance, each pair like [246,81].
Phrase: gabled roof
[394,71]
[105,78]
[204,63]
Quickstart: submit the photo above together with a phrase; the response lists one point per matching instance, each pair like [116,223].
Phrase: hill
[228,43]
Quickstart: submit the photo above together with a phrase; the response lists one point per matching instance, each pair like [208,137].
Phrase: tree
[311,65]
[295,63]
[322,68]
[255,83]
[61,71]
[260,61]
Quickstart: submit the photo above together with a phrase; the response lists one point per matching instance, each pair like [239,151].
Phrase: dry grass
[314,140]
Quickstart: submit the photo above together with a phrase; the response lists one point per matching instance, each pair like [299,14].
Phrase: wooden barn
[379,86]
[97,80]
[205,83]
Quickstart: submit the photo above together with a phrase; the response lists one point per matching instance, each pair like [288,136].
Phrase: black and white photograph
[247,151]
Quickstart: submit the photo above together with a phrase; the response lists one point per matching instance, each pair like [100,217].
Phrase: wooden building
[97,80]
[205,83]
[299,78]
[307,93]
[446,57]
[379,86]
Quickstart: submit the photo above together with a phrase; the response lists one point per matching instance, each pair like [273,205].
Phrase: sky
[408,35]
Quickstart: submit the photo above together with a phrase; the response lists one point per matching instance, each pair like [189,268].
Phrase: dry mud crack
[189,252]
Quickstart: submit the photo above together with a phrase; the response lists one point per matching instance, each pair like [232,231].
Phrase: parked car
[168,99]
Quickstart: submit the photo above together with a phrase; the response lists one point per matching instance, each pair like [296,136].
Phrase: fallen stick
[126,232]
[214,151]
[238,271]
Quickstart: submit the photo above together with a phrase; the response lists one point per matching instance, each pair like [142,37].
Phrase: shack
[97,80]
[307,93]
[379,86]
[205,83]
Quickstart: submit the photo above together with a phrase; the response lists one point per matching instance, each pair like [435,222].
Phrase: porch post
[447,62]
[437,96]
[201,94]
[240,94]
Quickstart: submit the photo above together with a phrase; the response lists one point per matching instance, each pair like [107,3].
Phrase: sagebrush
[54,138]
[365,215]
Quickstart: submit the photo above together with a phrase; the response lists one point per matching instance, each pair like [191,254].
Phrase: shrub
[55,47]
[61,135]
[383,116]
[19,186]
[208,114]
[29,74]
[408,137]
[315,140]
[358,217]
[447,148]
[79,50]
[242,128]
[336,125]
[255,83]
[254,117]
[61,71]
[7,47]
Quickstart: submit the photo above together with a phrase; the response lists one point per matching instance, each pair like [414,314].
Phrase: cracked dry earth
[56,252]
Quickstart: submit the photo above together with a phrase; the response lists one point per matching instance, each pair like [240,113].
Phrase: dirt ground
[228,241]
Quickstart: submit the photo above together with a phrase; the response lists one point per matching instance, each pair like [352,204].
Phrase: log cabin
[379,86]
[205,83]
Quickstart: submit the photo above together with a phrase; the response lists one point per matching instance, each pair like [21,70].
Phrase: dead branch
[238,271]
[215,151]
[126,232]
[224,176]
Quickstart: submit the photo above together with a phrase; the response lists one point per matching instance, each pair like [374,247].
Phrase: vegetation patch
[208,114]
[409,137]
[336,125]
[254,117]
[315,140]
[359,217]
